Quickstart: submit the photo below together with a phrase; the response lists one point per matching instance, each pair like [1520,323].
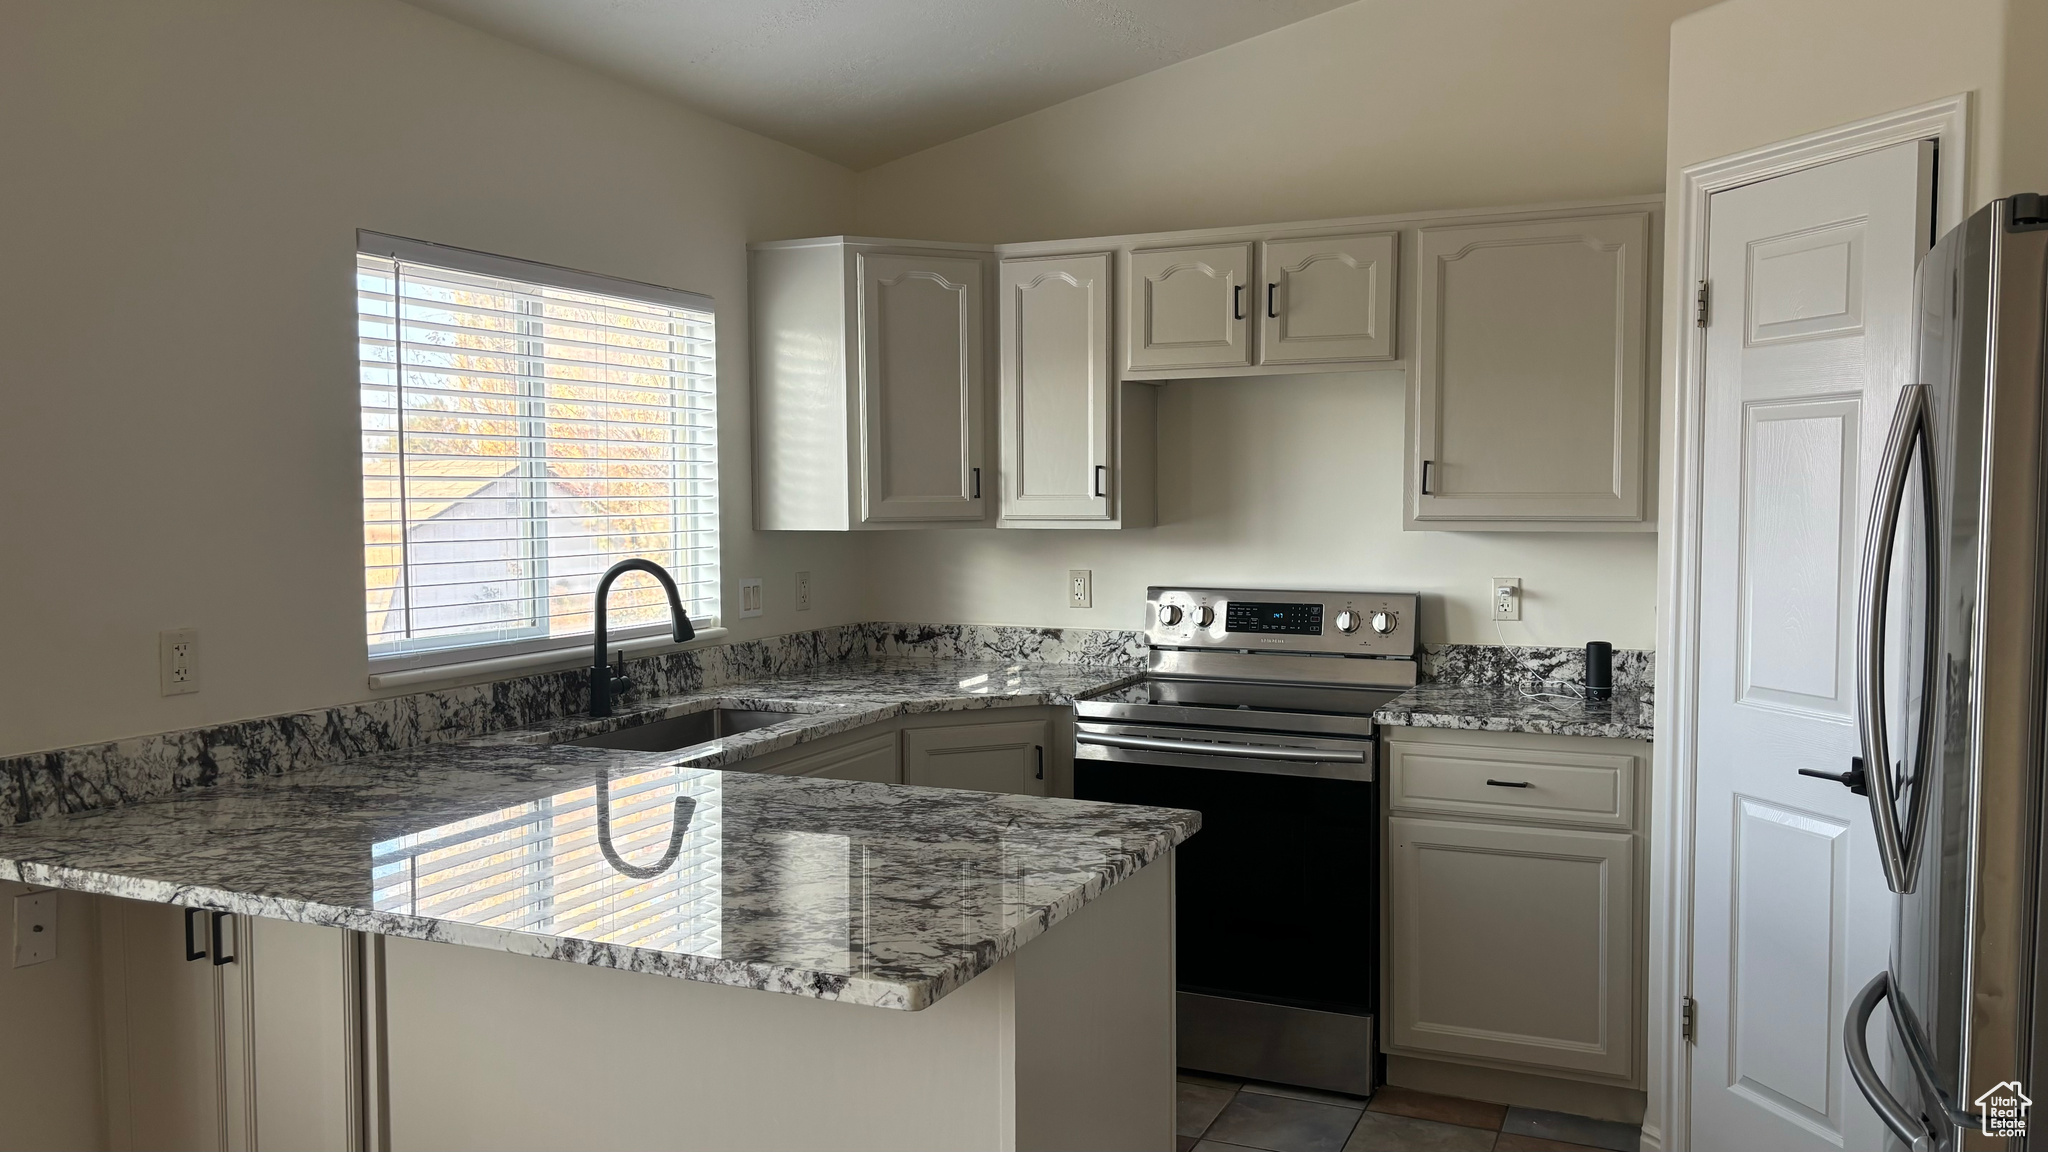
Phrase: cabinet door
[920,387]
[985,757]
[871,759]
[1188,308]
[1530,371]
[1512,943]
[172,1046]
[1327,300]
[1056,389]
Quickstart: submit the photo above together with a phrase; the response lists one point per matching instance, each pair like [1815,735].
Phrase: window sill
[447,675]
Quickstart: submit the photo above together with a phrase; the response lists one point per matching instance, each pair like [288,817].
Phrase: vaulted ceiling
[863,82]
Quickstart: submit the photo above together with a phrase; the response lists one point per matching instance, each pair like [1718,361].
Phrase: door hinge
[1702,306]
[1688,1019]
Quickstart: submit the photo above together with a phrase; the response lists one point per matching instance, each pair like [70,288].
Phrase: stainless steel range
[1256,711]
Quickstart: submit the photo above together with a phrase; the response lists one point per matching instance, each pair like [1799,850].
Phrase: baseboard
[1600,1101]
[1653,1140]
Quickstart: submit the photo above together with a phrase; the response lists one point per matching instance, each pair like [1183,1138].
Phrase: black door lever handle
[1854,779]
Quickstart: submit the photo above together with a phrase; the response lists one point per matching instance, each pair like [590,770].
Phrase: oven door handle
[1211,748]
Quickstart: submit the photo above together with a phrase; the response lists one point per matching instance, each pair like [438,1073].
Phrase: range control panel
[1345,623]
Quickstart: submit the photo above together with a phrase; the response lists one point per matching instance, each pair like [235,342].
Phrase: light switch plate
[803,591]
[750,596]
[1080,588]
[178,661]
[35,928]
[1506,592]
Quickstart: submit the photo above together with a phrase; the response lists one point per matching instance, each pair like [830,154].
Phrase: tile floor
[1218,1115]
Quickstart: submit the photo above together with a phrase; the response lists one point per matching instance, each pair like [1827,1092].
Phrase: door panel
[1806,346]
[982,757]
[1056,388]
[167,1035]
[1797,570]
[1512,943]
[1530,370]
[1188,308]
[921,387]
[1327,300]
[1791,888]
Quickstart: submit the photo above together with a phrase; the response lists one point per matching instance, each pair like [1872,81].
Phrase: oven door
[1276,894]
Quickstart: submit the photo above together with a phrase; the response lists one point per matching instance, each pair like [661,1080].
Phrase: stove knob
[1169,614]
[1384,622]
[1347,621]
[1204,616]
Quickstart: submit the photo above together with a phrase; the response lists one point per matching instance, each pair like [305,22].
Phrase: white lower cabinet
[1513,943]
[1513,919]
[225,1056]
[1007,757]
[873,759]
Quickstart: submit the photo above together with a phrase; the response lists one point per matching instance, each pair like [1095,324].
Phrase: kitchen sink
[685,730]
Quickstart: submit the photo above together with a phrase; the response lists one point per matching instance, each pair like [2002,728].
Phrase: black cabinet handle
[1508,783]
[1102,479]
[1041,760]
[1237,301]
[192,949]
[220,955]
[1425,476]
[1854,779]
[976,494]
[1270,314]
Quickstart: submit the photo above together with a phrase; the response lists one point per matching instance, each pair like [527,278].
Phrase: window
[525,428]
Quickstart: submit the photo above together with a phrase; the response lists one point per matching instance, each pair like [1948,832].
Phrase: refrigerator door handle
[1856,1046]
[1897,846]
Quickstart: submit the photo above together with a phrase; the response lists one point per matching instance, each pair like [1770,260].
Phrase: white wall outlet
[1507,597]
[803,591]
[750,596]
[1080,588]
[35,928]
[178,661]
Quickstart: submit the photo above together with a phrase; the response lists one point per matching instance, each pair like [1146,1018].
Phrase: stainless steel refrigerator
[1950,654]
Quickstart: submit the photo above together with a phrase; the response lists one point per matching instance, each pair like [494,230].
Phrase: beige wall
[1380,106]
[178,449]
[50,1041]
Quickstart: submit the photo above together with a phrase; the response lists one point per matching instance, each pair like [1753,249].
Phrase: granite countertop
[1511,708]
[872,894]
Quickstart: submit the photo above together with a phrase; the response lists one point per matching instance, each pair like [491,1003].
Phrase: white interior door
[1807,344]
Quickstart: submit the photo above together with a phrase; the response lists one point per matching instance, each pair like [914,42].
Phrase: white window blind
[525,428]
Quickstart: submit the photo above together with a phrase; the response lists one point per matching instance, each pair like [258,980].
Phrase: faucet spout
[604,683]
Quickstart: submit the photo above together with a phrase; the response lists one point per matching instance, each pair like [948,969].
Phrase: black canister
[1599,670]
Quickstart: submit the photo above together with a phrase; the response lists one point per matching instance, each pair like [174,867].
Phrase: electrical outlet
[178,661]
[1080,588]
[750,596]
[1507,597]
[35,928]
[803,591]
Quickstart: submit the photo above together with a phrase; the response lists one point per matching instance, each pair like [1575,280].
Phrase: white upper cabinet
[870,384]
[1529,381]
[921,387]
[1327,299]
[1053,316]
[1189,308]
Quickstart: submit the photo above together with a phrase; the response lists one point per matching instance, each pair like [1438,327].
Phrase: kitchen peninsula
[513,940]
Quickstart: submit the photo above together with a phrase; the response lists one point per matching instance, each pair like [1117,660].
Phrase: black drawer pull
[220,955]
[192,949]
[1237,301]
[1508,783]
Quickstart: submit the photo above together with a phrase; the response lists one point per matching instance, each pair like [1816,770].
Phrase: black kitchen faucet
[606,681]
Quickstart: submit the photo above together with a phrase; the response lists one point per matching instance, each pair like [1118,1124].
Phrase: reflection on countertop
[874,894]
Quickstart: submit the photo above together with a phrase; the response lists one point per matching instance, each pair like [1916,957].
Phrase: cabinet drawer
[1523,784]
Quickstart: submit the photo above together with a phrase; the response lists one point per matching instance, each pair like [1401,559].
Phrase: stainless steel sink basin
[685,730]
